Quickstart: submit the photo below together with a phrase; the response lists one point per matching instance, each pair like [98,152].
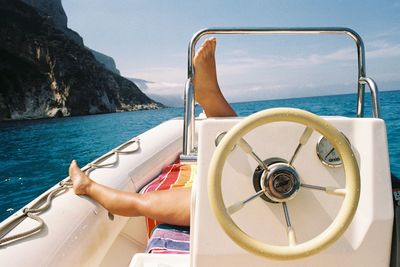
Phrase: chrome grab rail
[374,95]
[189,152]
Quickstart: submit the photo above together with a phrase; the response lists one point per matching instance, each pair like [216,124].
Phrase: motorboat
[281,187]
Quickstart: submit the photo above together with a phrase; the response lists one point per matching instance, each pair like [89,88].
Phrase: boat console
[295,209]
[284,187]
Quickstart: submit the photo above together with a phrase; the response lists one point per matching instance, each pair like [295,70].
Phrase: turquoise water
[34,155]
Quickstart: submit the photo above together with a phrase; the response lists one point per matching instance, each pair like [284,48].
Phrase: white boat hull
[79,232]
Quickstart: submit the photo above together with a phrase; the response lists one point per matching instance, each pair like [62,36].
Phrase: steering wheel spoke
[290,231]
[249,150]
[331,190]
[302,141]
[239,205]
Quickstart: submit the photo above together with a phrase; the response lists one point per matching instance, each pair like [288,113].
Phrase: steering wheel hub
[281,182]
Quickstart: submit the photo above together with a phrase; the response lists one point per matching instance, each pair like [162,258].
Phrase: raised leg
[207,90]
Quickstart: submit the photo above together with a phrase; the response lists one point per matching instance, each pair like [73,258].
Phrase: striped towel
[173,176]
[169,239]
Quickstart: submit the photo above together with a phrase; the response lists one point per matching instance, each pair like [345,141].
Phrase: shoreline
[124,108]
[157,106]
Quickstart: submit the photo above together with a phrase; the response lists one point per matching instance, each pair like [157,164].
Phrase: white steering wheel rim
[345,214]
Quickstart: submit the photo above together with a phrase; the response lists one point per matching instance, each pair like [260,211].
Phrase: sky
[149,40]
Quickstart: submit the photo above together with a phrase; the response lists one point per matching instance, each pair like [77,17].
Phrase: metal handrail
[43,202]
[189,152]
[374,95]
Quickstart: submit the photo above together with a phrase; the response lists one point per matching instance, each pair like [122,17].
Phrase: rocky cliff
[107,61]
[44,73]
[54,11]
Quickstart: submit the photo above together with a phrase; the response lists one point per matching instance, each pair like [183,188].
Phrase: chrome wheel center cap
[281,182]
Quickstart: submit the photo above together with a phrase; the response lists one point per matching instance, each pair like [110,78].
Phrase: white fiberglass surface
[311,211]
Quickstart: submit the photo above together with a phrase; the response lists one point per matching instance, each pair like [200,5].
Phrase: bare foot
[207,91]
[80,182]
[205,78]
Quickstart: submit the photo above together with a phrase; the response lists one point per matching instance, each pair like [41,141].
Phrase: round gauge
[219,137]
[327,153]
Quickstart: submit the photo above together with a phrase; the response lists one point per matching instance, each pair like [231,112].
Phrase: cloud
[244,76]
[164,80]
[387,33]
[380,48]
[383,49]
[271,61]
[166,87]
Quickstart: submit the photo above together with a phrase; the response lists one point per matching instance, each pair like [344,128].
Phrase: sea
[35,154]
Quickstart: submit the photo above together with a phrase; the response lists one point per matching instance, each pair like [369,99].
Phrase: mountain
[108,62]
[54,11]
[44,72]
[168,100]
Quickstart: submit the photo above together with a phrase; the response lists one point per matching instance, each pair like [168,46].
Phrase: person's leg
[172,206]
[207,91]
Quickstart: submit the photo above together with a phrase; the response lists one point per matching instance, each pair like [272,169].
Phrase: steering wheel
[293,250]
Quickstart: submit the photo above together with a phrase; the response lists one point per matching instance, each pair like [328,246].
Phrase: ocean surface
[35,154]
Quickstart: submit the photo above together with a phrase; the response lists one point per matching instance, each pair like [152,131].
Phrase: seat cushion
[169,239]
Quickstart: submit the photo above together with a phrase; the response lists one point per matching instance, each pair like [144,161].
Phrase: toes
[73,165]
[208,43]
[206,50]
[211,43]
[73,168]
[214,43]
[199,53]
